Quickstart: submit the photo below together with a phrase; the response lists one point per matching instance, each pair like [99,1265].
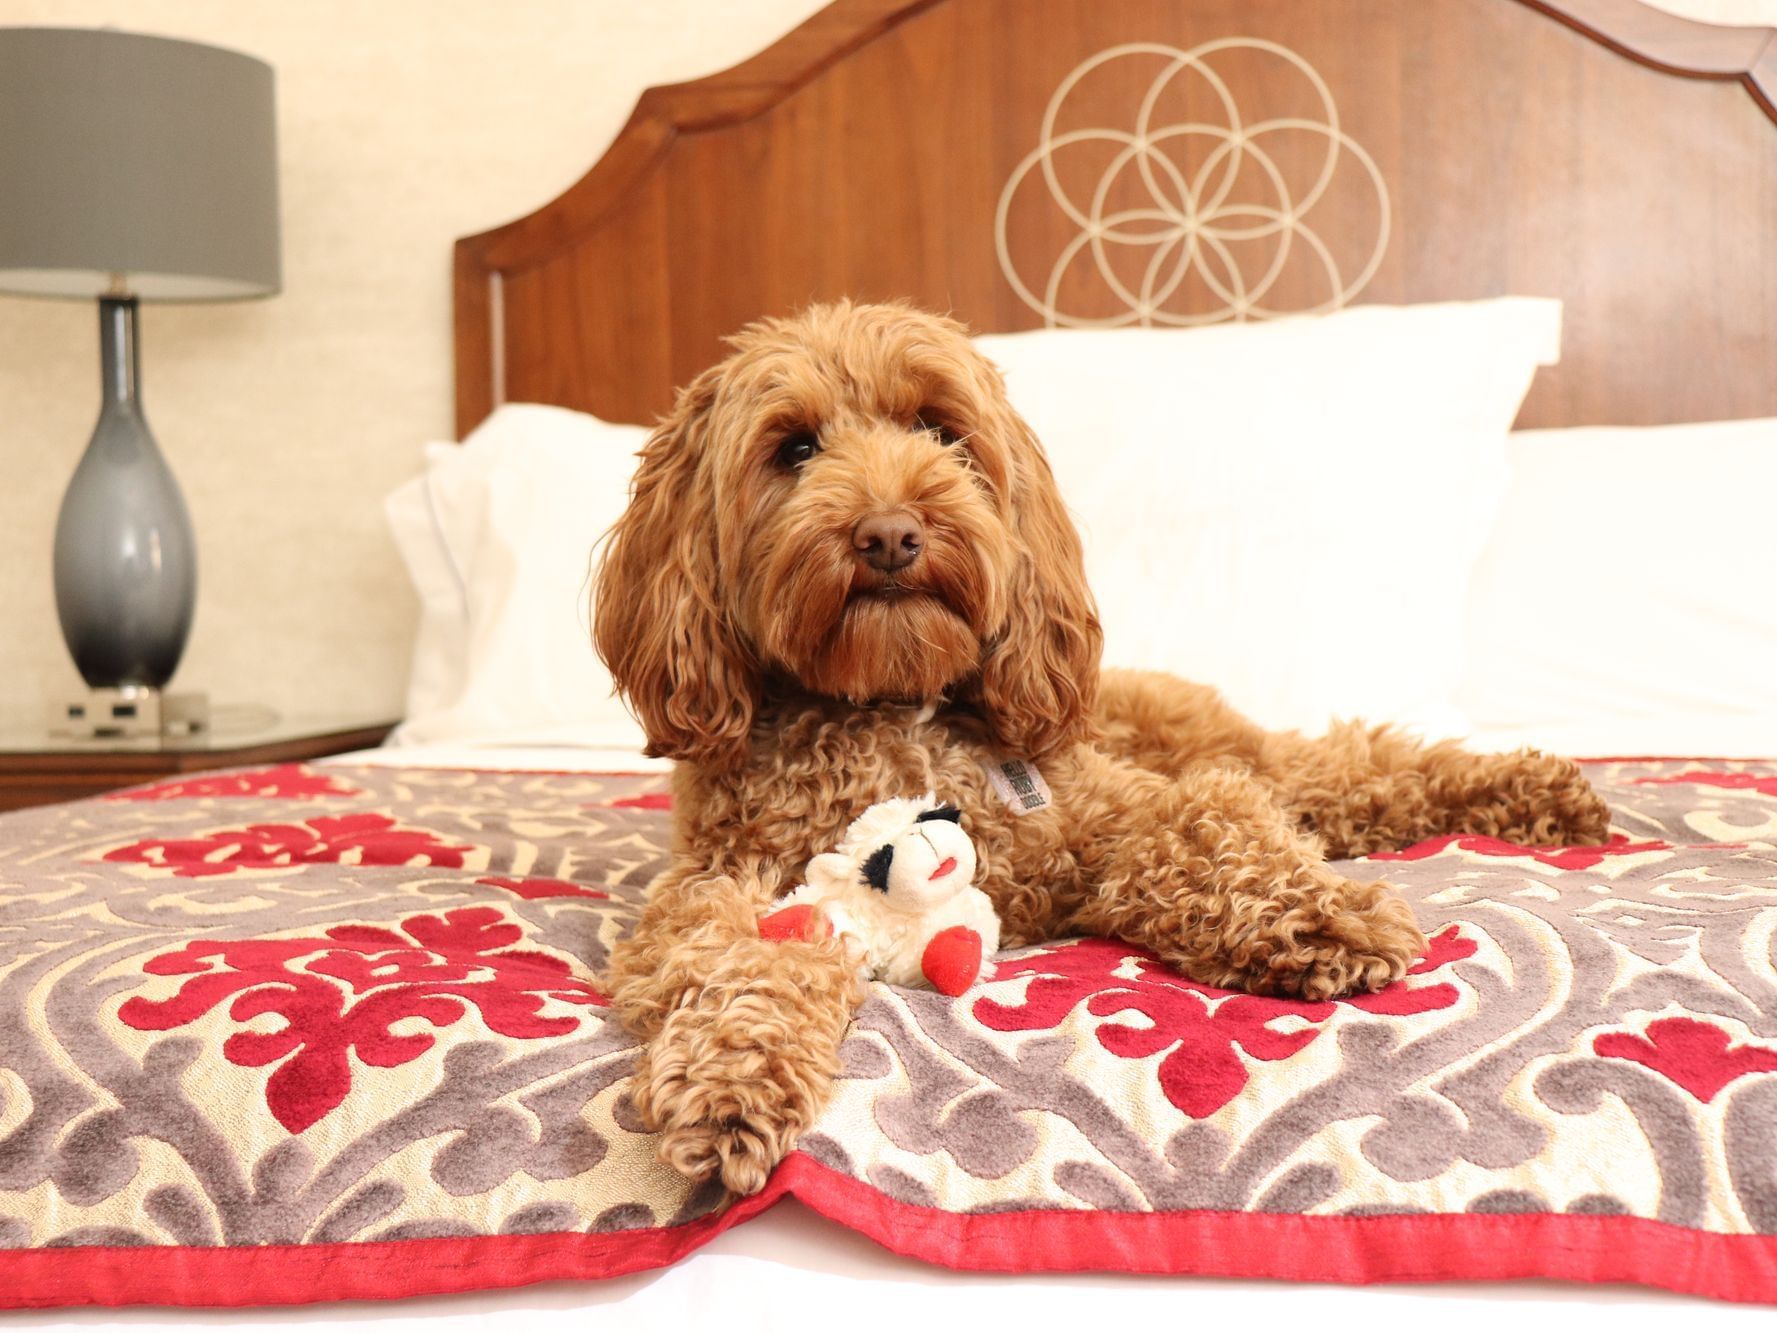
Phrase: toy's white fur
[891,927]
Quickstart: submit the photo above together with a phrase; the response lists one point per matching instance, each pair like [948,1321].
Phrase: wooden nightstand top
[37,768]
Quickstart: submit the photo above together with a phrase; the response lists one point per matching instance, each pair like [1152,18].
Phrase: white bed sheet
[507,758]
[1687,735]
[1682,736]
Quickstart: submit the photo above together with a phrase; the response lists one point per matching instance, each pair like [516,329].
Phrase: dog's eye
[795,450]
[928,420]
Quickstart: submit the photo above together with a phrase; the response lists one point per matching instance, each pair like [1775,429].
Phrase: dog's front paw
[724,1136]
[1351,938]
[729,1089]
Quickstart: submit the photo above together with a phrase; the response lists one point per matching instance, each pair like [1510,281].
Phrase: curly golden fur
[796,682]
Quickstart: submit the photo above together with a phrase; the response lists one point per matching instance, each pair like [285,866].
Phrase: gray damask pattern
[332,1004]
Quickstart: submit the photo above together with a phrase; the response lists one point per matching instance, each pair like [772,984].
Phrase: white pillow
[1288,510]
[498,535]
[1625,603]
[440,648]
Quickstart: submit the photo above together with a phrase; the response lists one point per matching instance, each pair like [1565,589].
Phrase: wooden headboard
[1171,161]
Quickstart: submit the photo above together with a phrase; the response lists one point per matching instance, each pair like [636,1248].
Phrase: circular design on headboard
[1193,219]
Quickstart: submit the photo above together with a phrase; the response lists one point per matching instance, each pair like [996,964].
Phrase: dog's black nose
[889,542]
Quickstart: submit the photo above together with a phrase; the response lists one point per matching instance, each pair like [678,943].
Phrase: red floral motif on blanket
[360,839]
[1764,786]
[290,781]
[648,800]
[341,994]
[1697,1056]
[1561,858]
[541,888]
[1203,1029]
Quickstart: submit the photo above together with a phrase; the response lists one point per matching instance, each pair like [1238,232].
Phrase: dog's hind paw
[1529,798]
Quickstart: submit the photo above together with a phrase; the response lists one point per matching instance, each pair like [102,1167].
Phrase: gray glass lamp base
[125,557]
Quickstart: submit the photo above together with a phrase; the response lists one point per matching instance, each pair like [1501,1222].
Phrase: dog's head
[848,503]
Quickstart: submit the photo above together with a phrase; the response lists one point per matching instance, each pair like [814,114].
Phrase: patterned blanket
[310,1033]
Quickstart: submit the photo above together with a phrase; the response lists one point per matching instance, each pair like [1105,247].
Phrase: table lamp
[132,168]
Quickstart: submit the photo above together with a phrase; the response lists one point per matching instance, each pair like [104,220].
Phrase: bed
[333,1032]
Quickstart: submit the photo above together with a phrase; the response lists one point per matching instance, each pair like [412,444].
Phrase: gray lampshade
[142,156]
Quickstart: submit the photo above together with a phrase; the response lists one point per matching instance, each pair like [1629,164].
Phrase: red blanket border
[1407,1247]
[239,1275]
[1433,1247]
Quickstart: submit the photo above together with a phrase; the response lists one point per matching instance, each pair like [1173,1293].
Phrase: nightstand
[37,768]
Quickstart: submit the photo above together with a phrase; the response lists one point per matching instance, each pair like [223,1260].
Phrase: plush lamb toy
[900,887]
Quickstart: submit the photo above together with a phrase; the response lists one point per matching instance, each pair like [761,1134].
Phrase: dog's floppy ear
[1039,683]
[657,618]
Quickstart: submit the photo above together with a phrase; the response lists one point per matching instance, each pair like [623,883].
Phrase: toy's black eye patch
[946,812]
[876,867]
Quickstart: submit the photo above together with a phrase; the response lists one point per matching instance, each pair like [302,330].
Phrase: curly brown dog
[844,575]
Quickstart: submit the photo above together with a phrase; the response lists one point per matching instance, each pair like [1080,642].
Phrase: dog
[845,574]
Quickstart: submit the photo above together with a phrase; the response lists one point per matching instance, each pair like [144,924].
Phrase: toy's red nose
[944,867]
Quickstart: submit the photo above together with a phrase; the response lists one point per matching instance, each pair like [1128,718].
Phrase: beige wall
[404,124]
